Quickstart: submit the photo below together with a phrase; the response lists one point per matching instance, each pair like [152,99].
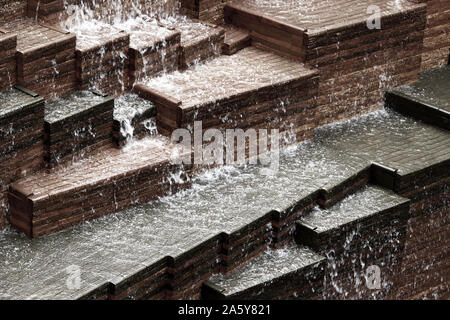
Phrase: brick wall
[206,10]
[11,10]
[8,73]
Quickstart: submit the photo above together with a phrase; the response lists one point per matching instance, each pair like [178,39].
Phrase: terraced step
[427,99]
[289,272]
[45,58]
[235,91]
[235,40]
[227,218]
[8,65]
[351,57]
[21,138]
[365,229]
[76,125]
[109,181]
[101,57]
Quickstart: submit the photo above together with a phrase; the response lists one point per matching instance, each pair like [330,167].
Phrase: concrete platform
[228,217]
[427,99]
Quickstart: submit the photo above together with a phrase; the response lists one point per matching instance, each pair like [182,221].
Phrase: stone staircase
[282,68]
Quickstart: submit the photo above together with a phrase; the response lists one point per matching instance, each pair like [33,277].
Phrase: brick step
[21,137]
[200,41]
[427,99]
[134,117]
[294,269]
[173,245]
[234,91]
[365,229]
[108,181]
[154,48]
[340,45]
[76,125]
[101,57]
[45,57]
[235,40]
[362,227]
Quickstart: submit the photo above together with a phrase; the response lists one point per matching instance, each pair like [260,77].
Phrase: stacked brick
[150,55]
[355,70]
[8,43]
[268,33]
[424,273]
[21,133]
[356,63]
[133,118]
[77,125]
[189,270]
[45,58]
[102,63]
[11,10]
[206,10]
[425,262]
[47,10]
[436,42]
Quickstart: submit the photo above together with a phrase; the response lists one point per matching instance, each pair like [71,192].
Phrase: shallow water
[13,99]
